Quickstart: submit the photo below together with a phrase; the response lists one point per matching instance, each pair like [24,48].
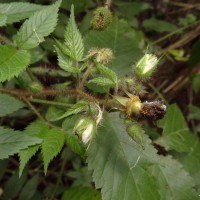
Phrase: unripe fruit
[35,87]
[101,19]
[133,106]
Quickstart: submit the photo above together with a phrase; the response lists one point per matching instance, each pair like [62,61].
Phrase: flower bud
[146,66]
[101,19]
[85,129]
[103,55]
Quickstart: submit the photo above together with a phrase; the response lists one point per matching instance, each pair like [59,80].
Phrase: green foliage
[12,141]
[126,47]
[38,26]
[176,135]
[17,11]
[12,62]
[73,39]
[124,175]
[9,104]
[89,108]
[81,193]
[159,25]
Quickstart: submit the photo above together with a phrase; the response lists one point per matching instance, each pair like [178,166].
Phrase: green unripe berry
[102,17]
[35,87]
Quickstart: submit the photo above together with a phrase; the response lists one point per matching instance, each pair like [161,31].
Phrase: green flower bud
[135,132]
[146,66]
[101,19]
[85,129]
[35,87]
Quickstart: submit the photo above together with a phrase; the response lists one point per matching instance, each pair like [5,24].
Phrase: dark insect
[153,110]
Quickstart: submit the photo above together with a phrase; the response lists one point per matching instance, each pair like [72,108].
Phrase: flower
[85,129]
[146,66]
[102,55]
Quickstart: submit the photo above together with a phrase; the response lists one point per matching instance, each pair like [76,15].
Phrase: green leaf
[9,104]
[12,62]
[102,81]
[53,113]
[81,193]
[25,155]
[73,39]
[3,19]
[108,72]
[37,129]
[64,61]
[125,42]
[176,135]
[123,170]
[52,145]
[75,109]
[12,142]
[119,164]
[17,11]
[174,182]
[38,26]
[159,25]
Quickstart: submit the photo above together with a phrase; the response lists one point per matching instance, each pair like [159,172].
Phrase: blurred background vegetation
[168,28]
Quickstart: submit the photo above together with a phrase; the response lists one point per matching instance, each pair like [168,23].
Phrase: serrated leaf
[3,19]
[119,164]
[9,104]
[123,170]
[173,180]
[125,42]
[38,129]
[102,81]
[38,26]
[176,135]
[75,109]
[12,142]
[108,72]
[65,62]
[73,39]
[12,62]
[52,145]
[17,11]
[81,193]
[25,155]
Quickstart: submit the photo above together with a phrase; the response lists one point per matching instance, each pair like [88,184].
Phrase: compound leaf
[12,62]
[38,26]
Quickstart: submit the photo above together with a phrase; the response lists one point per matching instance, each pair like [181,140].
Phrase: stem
[42,101]
[85,77]
[32,77]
